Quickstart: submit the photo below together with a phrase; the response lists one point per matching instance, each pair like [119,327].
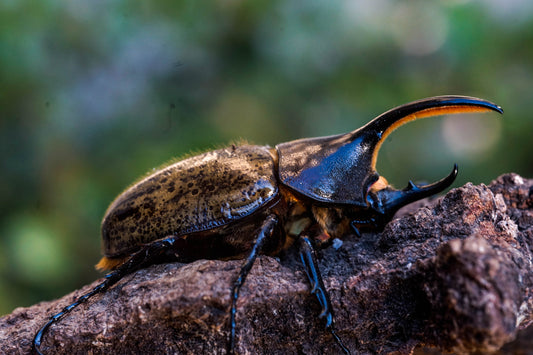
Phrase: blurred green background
[95,93]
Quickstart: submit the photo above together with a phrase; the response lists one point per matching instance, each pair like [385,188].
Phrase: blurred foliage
[95,93]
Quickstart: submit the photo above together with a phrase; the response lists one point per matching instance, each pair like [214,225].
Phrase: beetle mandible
[242,201]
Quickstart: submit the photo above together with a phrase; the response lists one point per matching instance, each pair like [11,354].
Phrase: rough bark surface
[453,275]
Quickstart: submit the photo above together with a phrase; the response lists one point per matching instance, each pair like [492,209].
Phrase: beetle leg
[369,223]
[267,229]
[140,259]
[308,256]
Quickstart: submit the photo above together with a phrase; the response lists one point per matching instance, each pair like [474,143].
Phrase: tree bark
[452,274]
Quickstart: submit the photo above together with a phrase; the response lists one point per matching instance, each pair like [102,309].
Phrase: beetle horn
[386,123]
[342,168]
[389,200]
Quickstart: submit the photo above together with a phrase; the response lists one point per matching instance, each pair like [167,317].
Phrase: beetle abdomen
[196,194]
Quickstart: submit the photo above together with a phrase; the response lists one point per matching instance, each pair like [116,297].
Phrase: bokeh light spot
[419,28]
[473,137]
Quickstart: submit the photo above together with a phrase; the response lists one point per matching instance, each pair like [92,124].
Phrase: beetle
[243,201]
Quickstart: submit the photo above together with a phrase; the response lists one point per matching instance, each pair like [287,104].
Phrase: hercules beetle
[242,201]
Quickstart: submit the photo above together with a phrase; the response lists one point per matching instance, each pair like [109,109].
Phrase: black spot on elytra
[176,198]
[121,215]
[171,186]
[150,189]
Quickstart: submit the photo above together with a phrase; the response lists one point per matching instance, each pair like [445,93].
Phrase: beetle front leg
[308,257]
[267,230]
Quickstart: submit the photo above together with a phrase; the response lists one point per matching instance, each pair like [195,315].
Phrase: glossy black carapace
[242,201]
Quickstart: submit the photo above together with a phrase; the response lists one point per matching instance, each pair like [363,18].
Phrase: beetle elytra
[243,201]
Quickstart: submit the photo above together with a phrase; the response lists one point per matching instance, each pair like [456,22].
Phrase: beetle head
[341,169]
